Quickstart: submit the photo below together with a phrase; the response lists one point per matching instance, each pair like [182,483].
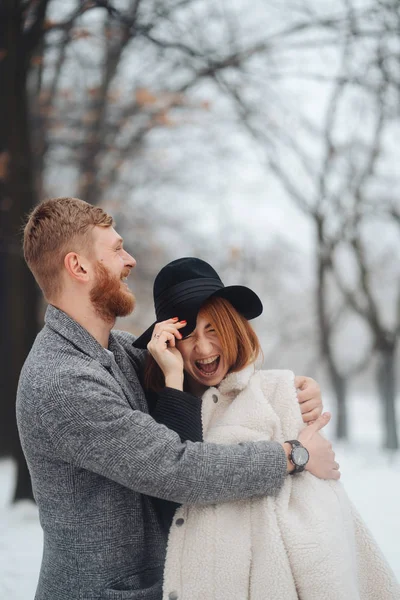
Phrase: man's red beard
[110,297]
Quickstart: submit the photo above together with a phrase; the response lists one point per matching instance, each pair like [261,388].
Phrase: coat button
[173,596]
[215,398]
[179,522]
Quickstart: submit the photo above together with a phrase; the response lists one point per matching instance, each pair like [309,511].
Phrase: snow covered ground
[20,541]
[371,477]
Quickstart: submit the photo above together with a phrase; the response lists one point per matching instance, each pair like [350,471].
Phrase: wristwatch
[298,456]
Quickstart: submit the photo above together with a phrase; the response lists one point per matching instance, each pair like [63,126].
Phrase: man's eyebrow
[118,242]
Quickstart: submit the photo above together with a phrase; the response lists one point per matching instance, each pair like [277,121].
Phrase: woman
[307,543]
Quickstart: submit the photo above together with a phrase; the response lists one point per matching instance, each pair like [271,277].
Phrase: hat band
[183,292]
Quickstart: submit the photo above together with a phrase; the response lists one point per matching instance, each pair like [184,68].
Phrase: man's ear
[76,267]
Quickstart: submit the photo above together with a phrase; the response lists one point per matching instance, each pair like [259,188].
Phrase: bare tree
[327,169]
[21,26]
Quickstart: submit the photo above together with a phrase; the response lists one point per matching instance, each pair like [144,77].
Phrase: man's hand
[163,350]
[309,397]
[322,462]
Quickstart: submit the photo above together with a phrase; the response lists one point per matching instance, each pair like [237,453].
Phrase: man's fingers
[335,474]
[299,381]
[309,405]
[311,391]
[311,416]
[320,422]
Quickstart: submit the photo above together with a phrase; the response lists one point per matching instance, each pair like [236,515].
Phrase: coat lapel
[120,368]
[77,335]
[126,376]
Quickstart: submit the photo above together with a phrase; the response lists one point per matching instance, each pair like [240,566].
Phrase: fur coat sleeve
[307,543]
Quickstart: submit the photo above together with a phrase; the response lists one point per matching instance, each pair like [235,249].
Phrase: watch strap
[297,468]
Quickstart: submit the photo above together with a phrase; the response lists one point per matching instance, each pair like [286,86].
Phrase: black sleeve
[179,411]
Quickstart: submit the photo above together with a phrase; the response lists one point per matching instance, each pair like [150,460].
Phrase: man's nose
[129,260]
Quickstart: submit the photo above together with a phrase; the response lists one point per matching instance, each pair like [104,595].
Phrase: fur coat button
[179,522]
[215,398]
[173,596]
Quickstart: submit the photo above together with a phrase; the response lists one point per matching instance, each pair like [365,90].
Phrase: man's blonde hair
[54,228]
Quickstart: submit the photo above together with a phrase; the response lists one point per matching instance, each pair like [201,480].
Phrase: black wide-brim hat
[182,287]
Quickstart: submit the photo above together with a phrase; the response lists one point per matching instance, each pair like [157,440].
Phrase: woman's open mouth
[208,366]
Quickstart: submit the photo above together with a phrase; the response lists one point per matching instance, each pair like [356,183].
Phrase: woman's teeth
[208,366]
[206,361]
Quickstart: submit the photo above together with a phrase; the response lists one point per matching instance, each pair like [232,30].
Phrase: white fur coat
[307,543]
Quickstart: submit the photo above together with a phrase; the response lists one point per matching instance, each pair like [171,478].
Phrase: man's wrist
[288,449]
[299,456]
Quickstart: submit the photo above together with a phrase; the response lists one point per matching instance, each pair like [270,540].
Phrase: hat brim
[242,298]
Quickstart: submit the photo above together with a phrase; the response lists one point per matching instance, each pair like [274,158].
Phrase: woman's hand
[309,397]
[163,349]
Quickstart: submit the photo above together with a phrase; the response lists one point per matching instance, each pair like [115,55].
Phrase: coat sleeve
[180,412]
[92,427]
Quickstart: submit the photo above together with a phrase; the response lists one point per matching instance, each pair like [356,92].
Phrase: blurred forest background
[260,136]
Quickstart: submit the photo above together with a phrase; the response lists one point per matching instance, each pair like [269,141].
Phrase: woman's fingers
[169,359]
[165,334]
[162,332]
[161,340]
[167,338]
[171,325]
[175,321]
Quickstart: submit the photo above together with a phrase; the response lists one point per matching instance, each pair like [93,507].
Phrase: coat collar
[125,374]
[120,369]
[236,382]
[64,325]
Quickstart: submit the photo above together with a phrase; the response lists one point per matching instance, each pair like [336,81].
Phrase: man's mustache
[125,273]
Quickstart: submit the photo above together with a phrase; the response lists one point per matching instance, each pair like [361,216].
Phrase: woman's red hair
[239,342]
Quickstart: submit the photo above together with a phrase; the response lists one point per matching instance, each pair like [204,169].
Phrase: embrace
[171,466]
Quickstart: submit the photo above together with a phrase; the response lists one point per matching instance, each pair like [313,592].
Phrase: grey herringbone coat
[95,456]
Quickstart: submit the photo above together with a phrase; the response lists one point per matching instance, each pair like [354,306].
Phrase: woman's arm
[179,411]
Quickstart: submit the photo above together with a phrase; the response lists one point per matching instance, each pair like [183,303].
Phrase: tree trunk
[386,382]
[19,296]
[339,383]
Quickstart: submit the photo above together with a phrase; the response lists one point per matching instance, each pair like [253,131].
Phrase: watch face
[300,456]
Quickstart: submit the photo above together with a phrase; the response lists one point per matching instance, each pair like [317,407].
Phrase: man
[95,454]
